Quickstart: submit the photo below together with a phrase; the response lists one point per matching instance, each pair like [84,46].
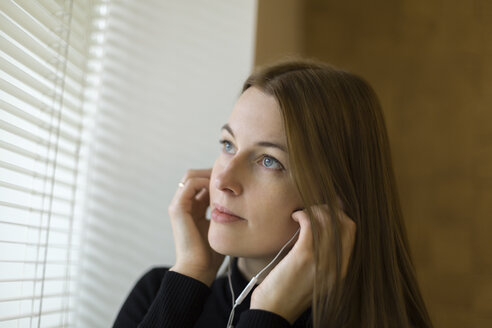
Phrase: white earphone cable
[252,282]
[278,254]
[231,315]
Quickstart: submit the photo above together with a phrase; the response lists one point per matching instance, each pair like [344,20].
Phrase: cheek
[277,204]
[274,226]
[283,195]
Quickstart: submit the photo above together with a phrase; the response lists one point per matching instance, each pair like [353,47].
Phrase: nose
[229,178]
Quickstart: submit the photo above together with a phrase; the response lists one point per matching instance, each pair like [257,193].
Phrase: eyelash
[224,141]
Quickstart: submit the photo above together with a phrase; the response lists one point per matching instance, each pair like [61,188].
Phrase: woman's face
[251,179]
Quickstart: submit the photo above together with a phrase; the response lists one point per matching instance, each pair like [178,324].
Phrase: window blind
[172,71]
[44,60]
[84,192]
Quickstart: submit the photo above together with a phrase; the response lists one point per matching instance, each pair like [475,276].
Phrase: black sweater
[163,298]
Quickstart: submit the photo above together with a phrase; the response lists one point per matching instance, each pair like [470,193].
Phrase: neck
[250,267]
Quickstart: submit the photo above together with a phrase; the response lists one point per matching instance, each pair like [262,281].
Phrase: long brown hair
[339,151]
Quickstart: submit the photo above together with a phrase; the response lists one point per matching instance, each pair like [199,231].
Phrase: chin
[225,244]
[219,242]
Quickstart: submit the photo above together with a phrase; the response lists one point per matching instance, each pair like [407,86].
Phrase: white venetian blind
[104,104]
[44,52]
[171,73]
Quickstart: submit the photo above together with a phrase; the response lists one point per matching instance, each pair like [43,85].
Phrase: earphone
[251,283]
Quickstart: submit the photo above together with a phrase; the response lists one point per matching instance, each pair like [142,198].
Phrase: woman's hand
[288,288]
[194,256]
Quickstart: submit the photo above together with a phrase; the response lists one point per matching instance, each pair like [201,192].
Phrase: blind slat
[40,262]
[34,314]
[43,66]
[34,138]
[41,24]
[44,17]
[34,297]
[26,95]
[64,246]
[44,56]
[42,124]
[36,82]
[51,6]
[33,209]
[55,38]
[37,46]
[34,156]
[34,174]
[60,230]
[33,192]
[34,279]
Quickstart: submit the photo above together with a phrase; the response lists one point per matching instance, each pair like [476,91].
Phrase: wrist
[206,277]
[280,308]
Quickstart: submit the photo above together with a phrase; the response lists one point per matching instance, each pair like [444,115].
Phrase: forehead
[257,114]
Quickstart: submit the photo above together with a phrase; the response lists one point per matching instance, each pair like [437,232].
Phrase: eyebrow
[259,143]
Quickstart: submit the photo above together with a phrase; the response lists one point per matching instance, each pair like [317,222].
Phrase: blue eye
[226,145]
[271,163]
[266,161]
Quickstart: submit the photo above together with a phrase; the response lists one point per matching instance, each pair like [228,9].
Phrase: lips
[226,211]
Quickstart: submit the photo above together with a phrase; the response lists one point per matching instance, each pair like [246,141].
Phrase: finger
[343,222]
[347,225]
[193,187]
[185,196]
[348,230]
[202,194]
[322,214]
[203,200]
[199,173]
[301,217]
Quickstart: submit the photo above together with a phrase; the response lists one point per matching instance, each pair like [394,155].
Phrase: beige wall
[431,64]
[280,30]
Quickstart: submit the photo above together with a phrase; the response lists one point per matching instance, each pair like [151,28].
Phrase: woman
[305,149]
